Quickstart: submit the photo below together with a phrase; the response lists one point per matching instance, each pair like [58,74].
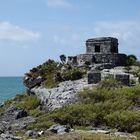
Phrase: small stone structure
[124,78]
[94,77]
[100,50]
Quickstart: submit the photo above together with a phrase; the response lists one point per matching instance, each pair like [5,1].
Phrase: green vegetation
[53,72]
[50,82]
[131,60]
[73,74]
[116,108]
[27,102]
[109,104]
[23,101]
[109,83]
[40,125]
[76,136]
[83,136]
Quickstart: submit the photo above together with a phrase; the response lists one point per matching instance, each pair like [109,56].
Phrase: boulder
[31,133]
[11,109]
[59,129]
[124,78]
[20,124]
[8,136]
[32,82]
[20,114]
[94,77]
[1,104]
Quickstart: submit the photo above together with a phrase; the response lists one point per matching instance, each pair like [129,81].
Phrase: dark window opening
[97,48]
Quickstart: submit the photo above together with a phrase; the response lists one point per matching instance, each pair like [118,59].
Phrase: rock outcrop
[30,82]
[62,95]
[14,119]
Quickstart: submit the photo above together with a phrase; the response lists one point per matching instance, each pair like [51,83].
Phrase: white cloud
[58,40]
[13,33]
[127,32]
[58,3]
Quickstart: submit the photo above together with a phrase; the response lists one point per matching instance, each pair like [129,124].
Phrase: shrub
[136,73]
[76,74]
[124,120]
[128,69]
[77,114]
[73,74]
[35,113]
[50,82]
[131,60]
[29,103]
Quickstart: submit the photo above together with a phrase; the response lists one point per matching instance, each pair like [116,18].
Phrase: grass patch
[40,125]
[35,113]
[83,136]
[28,103]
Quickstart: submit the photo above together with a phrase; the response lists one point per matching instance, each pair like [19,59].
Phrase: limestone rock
[32,82]
[8,136]
[20,114]
[59,129]
[64,94]
[31,133]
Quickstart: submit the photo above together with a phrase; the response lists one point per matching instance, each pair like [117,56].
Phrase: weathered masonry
[100,50]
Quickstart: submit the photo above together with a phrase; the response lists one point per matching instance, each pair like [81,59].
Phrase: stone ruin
[95,77]
[103,53]
[100,51]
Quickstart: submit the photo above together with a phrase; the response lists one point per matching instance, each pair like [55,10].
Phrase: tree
[63,58]
[131,60]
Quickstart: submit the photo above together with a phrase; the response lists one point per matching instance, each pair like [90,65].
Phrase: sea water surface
[10,86]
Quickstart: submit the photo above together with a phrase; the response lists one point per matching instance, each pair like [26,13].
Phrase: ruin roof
[101,39]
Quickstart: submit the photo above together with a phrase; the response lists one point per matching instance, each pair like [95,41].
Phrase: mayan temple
[98,51]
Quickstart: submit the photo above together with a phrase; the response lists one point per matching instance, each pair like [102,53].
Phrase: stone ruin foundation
[100,50]
[95,77]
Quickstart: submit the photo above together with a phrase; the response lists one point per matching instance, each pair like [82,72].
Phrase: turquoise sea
[10,86]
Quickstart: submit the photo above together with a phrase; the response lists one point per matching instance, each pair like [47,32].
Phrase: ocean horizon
[11,86]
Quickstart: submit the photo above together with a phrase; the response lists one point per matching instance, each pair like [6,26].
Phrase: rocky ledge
[63,94]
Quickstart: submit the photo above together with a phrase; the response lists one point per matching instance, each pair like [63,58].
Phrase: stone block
[124,78]
[94,77]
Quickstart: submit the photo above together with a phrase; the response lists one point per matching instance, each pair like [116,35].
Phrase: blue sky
[31,31]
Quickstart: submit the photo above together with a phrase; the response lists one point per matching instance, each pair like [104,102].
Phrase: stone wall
[95,77]
[116,59]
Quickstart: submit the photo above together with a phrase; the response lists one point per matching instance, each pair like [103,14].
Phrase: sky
[32,31]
